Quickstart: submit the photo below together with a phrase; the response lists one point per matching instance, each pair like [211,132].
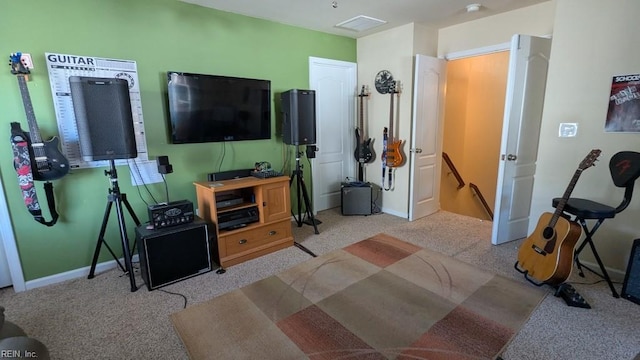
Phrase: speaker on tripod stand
[299,117]
[102,107]
[299,128]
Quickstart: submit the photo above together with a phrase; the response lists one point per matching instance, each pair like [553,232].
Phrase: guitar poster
[623,114]
[61,67]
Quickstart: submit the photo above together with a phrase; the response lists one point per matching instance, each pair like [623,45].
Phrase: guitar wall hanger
[384,81]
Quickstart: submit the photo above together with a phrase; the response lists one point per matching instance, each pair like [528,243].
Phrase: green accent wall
[160,35]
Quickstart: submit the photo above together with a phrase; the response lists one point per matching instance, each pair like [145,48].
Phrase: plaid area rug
[380,298]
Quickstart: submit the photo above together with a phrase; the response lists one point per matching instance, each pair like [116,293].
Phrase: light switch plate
[568,130]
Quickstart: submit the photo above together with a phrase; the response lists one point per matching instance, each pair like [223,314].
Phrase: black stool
[625,169]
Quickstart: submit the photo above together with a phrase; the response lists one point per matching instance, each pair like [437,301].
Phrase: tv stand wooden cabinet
[270,231]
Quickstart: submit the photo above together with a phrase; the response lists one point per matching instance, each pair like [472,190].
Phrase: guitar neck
[34,131]
[361,122]
[565,198]
[391,116]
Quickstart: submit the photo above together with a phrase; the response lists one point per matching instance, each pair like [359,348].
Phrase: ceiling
[323,15]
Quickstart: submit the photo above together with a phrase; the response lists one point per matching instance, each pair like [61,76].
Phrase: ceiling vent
[360,23]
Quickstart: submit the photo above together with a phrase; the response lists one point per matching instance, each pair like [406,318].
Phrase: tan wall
[472,131]
[532,20]
[593,40]
[392,50]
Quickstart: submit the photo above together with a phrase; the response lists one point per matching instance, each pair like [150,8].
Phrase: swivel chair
[625,169]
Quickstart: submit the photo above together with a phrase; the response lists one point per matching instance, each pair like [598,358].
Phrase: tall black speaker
[631,285]
[103,117]
[298,117]
[173,254]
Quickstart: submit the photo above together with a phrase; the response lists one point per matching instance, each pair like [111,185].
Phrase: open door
[426,136]
[526,85]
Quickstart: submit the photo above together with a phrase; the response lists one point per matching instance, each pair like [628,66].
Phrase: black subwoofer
[631,286]
[172,254]
[104,118]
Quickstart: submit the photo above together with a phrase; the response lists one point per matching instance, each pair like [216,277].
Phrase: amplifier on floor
[173,254]
[631,286]
[356,198]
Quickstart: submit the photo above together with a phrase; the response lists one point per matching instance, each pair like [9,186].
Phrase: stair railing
[455,172]
[482,199]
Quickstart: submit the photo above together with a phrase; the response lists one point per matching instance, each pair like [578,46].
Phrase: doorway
[474,111]
[335,85]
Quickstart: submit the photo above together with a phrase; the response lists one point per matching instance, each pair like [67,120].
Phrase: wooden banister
[455,172]
[482,200]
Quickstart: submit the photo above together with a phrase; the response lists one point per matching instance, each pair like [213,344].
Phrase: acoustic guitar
[47,162]
[546,256]
[392,154]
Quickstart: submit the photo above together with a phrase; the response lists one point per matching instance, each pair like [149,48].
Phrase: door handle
[509,157]
[416,150]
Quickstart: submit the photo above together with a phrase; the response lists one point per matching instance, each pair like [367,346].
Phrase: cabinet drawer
[254,238]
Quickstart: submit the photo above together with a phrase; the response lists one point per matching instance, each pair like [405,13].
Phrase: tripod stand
[300,187]
[118,198]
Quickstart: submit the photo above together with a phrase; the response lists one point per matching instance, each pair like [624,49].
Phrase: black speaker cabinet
[631,286]
[298,117]
[172,254]
[356,198]
[104,119]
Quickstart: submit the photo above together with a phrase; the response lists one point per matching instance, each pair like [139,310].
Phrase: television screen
[211,108]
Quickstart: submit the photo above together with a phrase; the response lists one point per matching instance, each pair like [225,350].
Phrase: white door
[10,267]
[426,136]
[5,275]
[335,85]
[526,84]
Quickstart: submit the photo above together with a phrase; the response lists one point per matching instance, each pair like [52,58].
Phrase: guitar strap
[389,171]
[385,138]
[22,164]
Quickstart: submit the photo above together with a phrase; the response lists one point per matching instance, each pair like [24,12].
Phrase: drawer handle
[242,241]
[272,232]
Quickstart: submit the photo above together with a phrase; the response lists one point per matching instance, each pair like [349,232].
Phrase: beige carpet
[380,298]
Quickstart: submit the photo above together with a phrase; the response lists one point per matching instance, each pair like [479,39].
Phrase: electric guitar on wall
[47,162]
[547,254]
[364,153]
[393,155]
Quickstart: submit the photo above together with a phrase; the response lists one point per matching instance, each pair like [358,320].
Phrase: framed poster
[623,114]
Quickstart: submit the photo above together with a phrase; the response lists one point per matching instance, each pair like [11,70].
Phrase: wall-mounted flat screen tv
[213,108]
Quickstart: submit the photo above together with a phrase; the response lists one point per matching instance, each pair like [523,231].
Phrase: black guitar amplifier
[176,253]
[356,198]
[174,213]
[631,287]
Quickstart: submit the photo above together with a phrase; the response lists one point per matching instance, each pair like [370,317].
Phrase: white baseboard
[74,274]
[395,213]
